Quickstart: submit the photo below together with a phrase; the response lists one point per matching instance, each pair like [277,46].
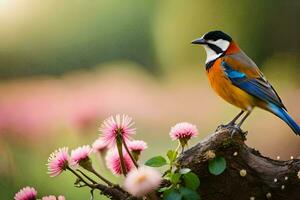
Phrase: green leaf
[175,178]
[168,191]
[174,195]
[217,165]
[172,155]
[189,194]
[163,189]
[191,180]
[184,170]
[156,161]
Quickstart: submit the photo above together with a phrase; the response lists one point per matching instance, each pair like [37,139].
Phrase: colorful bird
[238,80]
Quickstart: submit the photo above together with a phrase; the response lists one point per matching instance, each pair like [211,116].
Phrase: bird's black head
[216,35]
[215,44]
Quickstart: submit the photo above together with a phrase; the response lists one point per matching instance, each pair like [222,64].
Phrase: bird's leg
[237,128]
[232,122]
[244,118]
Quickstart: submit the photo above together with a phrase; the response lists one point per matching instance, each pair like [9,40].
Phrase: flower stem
[178,146]
[120,151]
[87,177]
[102,178]
[80,178]
[107,191]
[87,164]
[132,158]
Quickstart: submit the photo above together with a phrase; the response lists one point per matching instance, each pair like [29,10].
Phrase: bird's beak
[199,41]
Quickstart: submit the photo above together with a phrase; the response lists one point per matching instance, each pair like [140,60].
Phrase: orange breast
[224,88]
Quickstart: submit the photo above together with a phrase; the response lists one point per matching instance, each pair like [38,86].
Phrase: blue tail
[282,114]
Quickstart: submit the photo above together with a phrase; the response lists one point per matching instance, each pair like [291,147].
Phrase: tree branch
[115,193]
[265,178]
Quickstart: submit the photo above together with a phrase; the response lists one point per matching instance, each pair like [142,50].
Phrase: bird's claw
[234,130]
[237,130]
[227,126]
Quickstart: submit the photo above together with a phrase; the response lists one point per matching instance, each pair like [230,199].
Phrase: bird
[238,80]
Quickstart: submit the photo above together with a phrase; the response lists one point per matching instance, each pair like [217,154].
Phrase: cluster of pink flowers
[112,127]
[60,160]
[29,193]
[122,154]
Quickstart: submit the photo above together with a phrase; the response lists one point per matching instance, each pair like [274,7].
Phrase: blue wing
[257,87]
[263,90]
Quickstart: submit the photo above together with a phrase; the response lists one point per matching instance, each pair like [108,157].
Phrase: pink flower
[183,131]
[26,193]
[58,161]
[99,145]
[111,127]
[80,155]
[51,197]
[137,145]
[113,162]
[142,181]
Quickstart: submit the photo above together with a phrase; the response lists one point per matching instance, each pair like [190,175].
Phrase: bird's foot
[237,130]
[226,126]
[234,129]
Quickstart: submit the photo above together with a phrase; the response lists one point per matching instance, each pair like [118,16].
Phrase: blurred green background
[67,65]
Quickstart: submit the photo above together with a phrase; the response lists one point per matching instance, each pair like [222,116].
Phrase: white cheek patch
[210,54]
[223,44]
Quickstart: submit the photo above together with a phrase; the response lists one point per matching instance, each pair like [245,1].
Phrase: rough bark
[265,178]
[115,193]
